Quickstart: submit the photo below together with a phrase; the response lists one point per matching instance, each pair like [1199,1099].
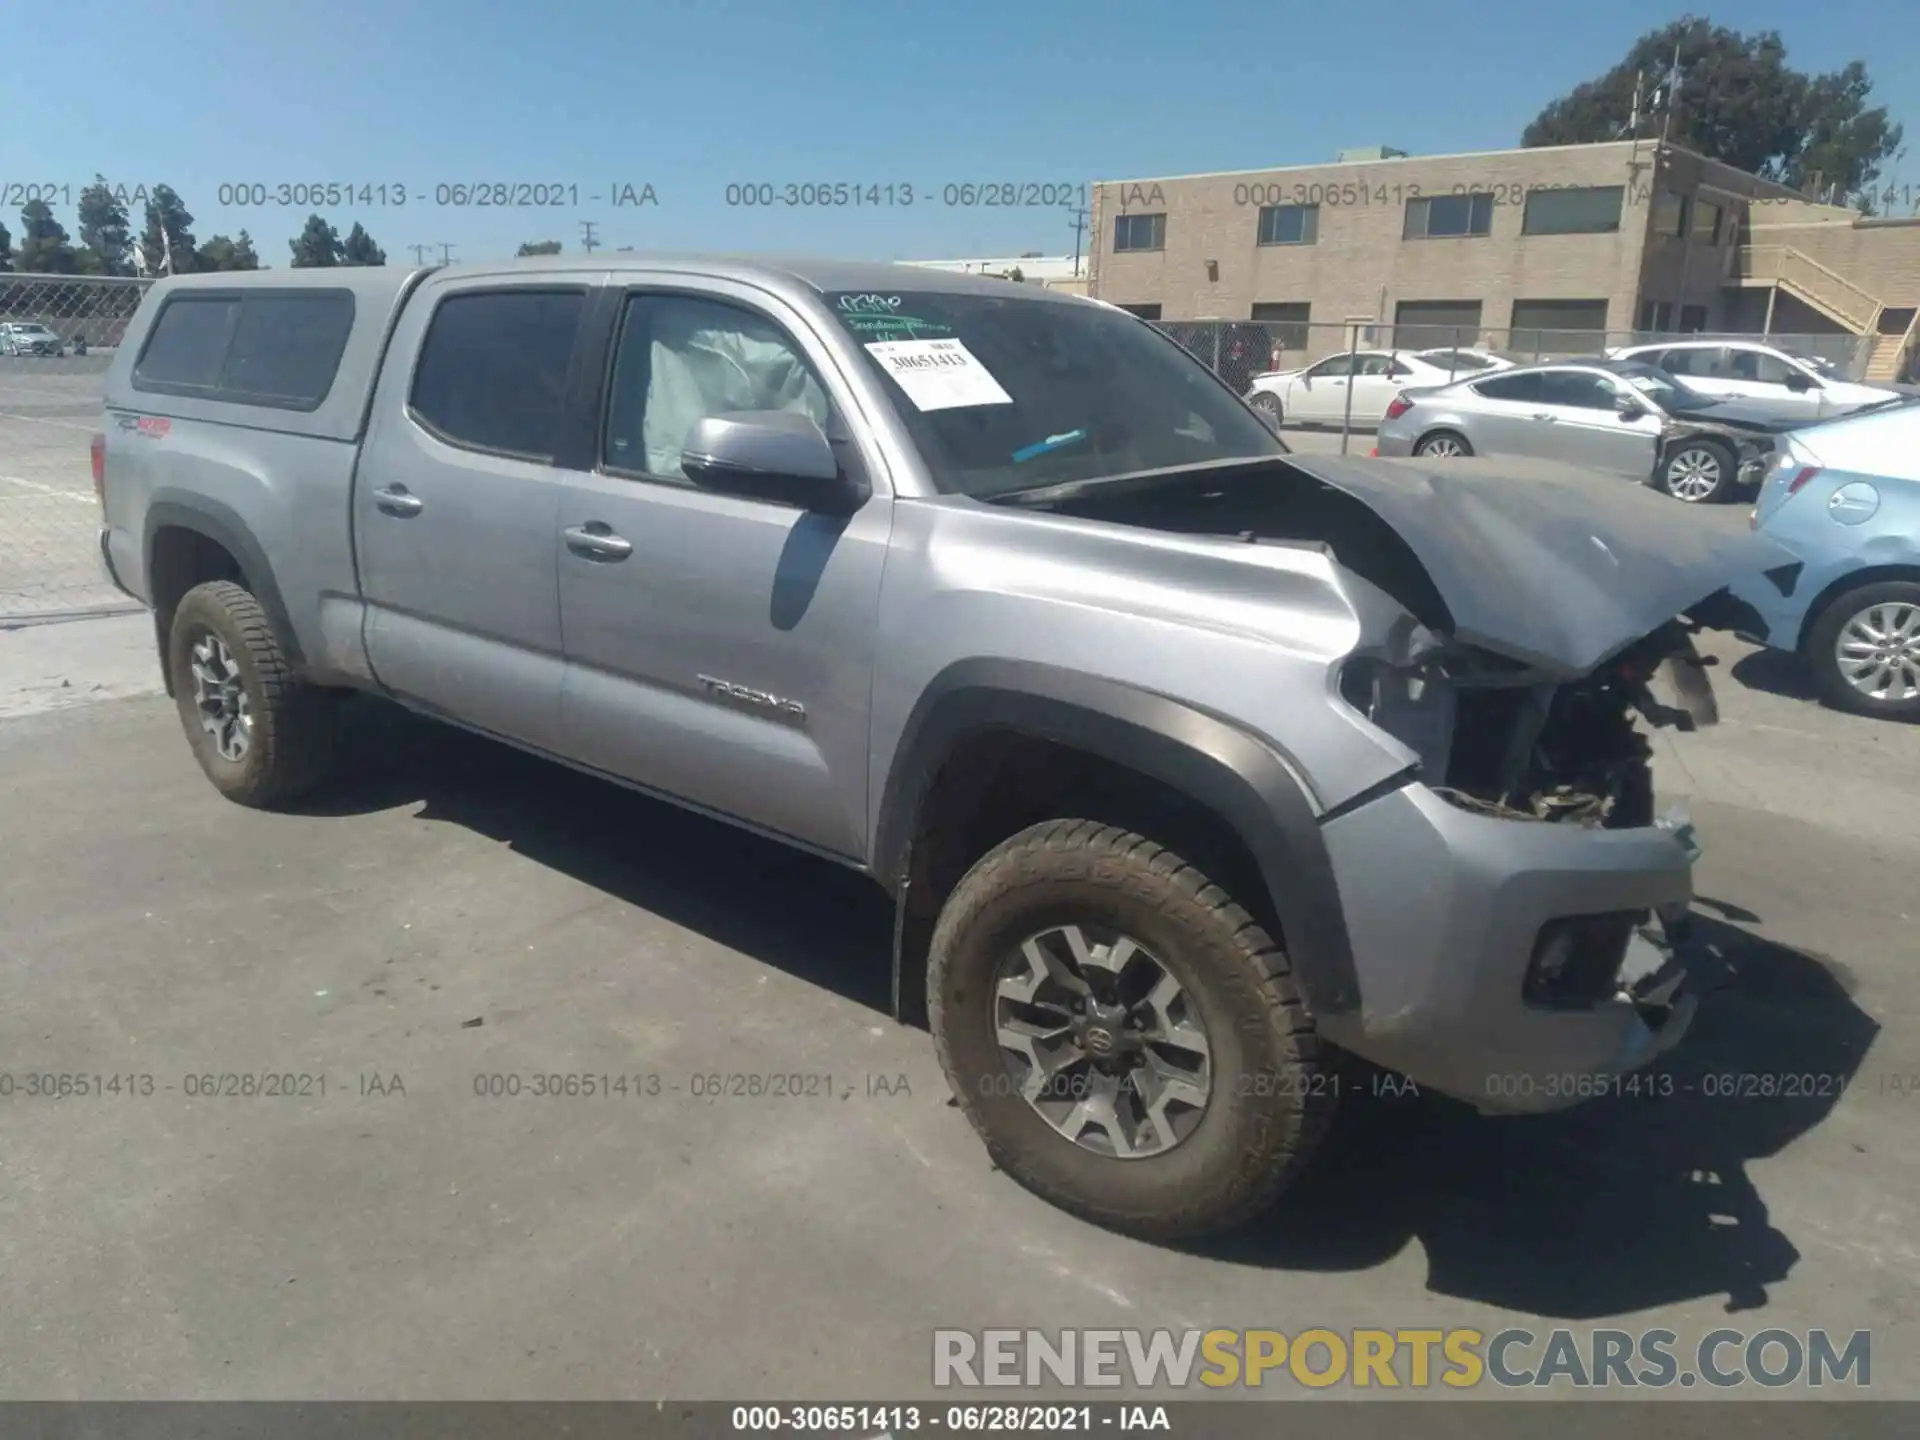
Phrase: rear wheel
[1864,651]
[1124,1037]
[261,735]
[1699,472]
[1443,445]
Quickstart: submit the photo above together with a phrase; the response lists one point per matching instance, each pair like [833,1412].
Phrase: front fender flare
[1247,781]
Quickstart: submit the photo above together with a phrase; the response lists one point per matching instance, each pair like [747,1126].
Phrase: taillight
[1799,481]
[1399,407]
[99,451]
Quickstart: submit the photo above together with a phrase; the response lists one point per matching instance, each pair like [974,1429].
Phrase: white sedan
[1751,370]
[1320,394]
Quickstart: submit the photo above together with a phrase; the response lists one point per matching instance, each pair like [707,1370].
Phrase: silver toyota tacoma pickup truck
[1192,766]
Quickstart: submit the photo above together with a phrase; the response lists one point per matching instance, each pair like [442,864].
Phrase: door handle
[1542,415]
[595,541]
[396,500]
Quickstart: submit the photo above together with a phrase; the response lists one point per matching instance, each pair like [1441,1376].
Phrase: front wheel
[1864,651]
[1126,1039]
[1699,472]
[1268,404]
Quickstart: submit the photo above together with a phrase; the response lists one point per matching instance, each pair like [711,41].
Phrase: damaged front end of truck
[1519,634]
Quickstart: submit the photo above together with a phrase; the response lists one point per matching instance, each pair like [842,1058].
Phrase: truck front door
[719,649]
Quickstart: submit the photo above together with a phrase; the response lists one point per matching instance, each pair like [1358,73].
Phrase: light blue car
[1845,498]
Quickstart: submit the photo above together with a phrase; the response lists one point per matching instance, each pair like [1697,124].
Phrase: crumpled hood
[1550,565]
[1737,416]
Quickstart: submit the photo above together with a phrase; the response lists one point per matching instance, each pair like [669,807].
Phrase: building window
[1568,327]
[1289,224]
[1435,324]
[1286,322]
[1593,210]
[1706,222]
[1433,217]
[1693,319]
[1139,232]
[1145,312]
[1656,315]
[1670,214]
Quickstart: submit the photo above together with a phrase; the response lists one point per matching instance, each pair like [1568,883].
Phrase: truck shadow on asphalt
[1619,1205]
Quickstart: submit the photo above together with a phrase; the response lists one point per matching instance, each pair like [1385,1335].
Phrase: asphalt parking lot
[455,913]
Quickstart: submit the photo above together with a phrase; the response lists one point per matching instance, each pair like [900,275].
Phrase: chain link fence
[1239,350]
[62,324]
[57,336]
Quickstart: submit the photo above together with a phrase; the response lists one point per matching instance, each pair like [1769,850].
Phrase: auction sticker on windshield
[938,374]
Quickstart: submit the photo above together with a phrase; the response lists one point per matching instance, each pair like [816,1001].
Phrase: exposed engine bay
[1493,737]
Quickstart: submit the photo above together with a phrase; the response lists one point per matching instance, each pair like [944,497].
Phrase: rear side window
[286,349]
[279,349]
[188,347]
[1510,387]
[493,370]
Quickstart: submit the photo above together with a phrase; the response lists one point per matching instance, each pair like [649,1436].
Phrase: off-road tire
[1817,650]
[1273,1085]
[292,743]
[1728,482]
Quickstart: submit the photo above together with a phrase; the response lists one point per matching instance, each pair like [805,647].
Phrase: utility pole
[1079,228]
[588,240]
[446,253]
[419,253]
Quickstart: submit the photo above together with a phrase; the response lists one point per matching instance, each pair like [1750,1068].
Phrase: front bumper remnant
[1448,911]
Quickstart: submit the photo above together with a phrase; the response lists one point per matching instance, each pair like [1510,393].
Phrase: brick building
[1556,247]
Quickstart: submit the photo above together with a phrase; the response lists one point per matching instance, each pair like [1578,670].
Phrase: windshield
[1011,393]
[33,329]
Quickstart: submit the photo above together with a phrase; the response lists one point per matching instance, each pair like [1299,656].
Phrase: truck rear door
[456,502]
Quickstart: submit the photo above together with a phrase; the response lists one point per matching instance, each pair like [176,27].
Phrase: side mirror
[776,455]
[1799,381]
[1628,408]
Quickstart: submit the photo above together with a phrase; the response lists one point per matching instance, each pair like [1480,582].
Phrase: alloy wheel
[221,696]
[1102,1040]
[1693,475]
[1878,652]
[1442,447]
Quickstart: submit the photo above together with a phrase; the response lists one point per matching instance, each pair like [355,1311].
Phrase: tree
[317,245]
[539,247]
[6,250]
[1737,101]
[44,247]
[105,235]
[1017,275]
[168,228]
[359,248]
[220,253]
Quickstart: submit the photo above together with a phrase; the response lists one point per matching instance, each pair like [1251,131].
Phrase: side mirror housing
[1628,408]
[775,455]
[1799,381]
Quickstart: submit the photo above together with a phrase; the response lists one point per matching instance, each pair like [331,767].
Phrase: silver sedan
[1616,416]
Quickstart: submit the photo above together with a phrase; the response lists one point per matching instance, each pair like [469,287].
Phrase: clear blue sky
[692,95]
